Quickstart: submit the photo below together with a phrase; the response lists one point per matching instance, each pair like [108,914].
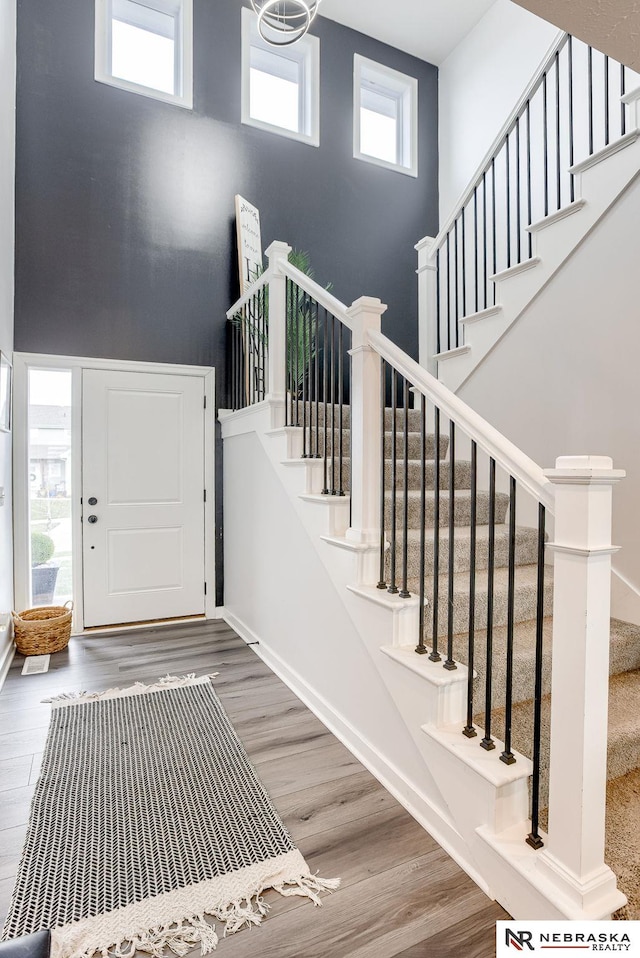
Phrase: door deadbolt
[93,501]
[92,519]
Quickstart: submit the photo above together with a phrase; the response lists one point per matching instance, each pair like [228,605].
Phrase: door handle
[93,501]
[92,519]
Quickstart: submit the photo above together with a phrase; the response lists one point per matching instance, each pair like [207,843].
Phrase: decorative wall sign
[5,394]
[249,242]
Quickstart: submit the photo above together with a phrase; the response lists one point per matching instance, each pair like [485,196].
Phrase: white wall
[564,380]
[7,219]
[480,83]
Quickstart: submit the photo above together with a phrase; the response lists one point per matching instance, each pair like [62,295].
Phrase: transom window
[280,87]
[385,115]
[145,46]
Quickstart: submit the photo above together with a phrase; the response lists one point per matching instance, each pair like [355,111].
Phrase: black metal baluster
[383,477]
[448,293]
[487,742]
[534,838]
[305,372]
[316,341]
[340,406]
[464,260]
[476,248]
[494,224]
[469,729]
[558,136]
[456,311]
[333,405]
[438,279]
[287,334]
[545,142]
[484,237]
[450,664]
[325,392]
[404,591]
[571,124]
[529,199]
[518,196]
[393,588]
[508,198]
[296,319]
[434,655]
[623,112]
[590,96]
[606,100]
[420,647]
[507,755]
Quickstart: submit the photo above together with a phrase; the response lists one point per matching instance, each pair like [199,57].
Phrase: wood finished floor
[401,895]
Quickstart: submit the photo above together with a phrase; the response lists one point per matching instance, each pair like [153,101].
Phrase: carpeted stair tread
[622,845]
[306,412]
[414,442]
[461,511]
[623,752]
[462,473]
[525,598]
[525,553]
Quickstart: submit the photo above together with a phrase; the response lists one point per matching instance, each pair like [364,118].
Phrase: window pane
[50,486]
[142,57]
[274,100]
[379,135]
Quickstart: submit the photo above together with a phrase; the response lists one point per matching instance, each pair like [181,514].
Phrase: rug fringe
[180,937]
[139,688]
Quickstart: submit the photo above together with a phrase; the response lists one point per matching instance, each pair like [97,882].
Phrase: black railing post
[487,742]
[383,478]
[393,588]
[534,838]
[434,655]
[469,729]
[449,663]
[507,755]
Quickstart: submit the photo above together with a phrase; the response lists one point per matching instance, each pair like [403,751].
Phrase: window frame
[306,53]
[182,13]
[381,79]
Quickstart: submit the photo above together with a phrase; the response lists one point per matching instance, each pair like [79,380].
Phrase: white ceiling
[428,29]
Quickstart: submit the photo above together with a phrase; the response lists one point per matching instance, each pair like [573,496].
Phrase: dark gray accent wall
[125,229]
[125,235]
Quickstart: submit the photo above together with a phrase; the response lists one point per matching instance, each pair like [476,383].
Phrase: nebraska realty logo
[563,936]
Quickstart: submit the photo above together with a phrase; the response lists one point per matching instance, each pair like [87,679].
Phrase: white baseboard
[7,648]
[390,777]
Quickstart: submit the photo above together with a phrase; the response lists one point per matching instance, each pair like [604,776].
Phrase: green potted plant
[43,572]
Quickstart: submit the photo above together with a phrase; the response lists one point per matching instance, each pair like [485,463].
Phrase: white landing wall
[480,83]
[564,380]
[278,590]
[7,220]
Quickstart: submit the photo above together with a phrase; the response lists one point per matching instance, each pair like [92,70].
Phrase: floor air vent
[36,664]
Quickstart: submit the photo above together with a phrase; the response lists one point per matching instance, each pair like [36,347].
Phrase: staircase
[440,601]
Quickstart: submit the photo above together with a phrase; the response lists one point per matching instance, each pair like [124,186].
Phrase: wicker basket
[42,630]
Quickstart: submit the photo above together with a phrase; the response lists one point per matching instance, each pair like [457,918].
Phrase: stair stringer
[599,183]
[485,836]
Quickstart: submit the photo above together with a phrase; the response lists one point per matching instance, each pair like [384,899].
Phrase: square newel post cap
[426,243]
[278,250]
[366,304]
[584,470]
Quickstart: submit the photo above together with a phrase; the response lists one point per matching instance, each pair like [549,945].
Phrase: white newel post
[365,423]
[277,376]
[574,855]
[427,314]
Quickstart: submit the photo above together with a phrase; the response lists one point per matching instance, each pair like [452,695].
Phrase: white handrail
[512,459]
[321,296]
[255,287]
[497,143]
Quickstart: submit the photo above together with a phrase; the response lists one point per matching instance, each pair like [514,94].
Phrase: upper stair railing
[573,108]
[455,511]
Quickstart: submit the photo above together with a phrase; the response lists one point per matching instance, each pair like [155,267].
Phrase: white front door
[143,496]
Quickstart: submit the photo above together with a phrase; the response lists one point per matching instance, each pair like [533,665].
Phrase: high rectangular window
[280,86]
[385,117]
[145,46]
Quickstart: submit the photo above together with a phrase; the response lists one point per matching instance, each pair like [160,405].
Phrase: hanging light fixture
[283,22]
